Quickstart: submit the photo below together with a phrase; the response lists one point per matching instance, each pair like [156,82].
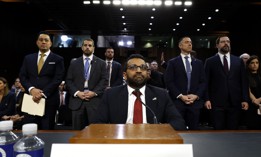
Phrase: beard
[225,49]
[137,81]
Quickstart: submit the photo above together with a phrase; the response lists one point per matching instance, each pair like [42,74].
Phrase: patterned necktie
[41,62]
[137,116]
[86,68]
[188,71]
[225,64]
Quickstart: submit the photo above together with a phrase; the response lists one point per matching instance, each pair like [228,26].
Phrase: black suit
[177,82]
[48,81]
[114,107]
[226,91]
[75,82]
[65,113]
[116,74]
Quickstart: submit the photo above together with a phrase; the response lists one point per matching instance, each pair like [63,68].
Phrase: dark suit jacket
[7,105]
[75,80]
[116,74]
[156,79]
[176,79]
[222,87]
[49,78]
[114,107]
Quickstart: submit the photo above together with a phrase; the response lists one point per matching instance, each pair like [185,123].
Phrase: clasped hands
[189,99]
[86,95]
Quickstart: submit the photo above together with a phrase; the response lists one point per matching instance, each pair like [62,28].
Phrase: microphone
[155,120]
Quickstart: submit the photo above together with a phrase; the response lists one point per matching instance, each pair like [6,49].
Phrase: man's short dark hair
[44,32]
[136,55]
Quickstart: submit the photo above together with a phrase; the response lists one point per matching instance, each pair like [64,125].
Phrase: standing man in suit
[118,104]
[227,91]
[113,69]
[86,81]
[186,82]
[64,112]
[40,74]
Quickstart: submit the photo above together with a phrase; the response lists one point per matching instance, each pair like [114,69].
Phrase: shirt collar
[130,90]
[91,57]
[182,55]
[221,55]
[46,53]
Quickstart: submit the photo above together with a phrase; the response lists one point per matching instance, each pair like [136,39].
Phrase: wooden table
[128,134]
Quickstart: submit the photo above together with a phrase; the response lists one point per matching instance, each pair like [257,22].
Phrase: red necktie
[137,116]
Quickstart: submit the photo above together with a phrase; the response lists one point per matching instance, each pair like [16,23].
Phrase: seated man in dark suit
[123,104]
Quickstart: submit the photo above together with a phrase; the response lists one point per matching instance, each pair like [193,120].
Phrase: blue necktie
[188,71]
[86,68]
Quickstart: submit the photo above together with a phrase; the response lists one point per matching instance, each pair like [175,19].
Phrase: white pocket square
[51,62]
[154,98]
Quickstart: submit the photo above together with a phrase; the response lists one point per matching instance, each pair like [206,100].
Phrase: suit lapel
[181,64]
[151,101]
[93,66]
[35,59]
[219,63]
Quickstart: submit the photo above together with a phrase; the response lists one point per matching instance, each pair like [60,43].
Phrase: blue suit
[226,91]
[114,107]
[48,81]
[177,82]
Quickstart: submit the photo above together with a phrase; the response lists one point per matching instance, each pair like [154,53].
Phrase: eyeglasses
[135,67]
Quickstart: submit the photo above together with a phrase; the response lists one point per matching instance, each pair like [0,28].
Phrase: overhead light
[177,3]
[96,2]
[151,24]
[168,3]
[122,17]
[124,23]
[180,17]
[116,2]
[86,2]
[152,17]
[188,3]
[217,10]
[157,2]
[106,2]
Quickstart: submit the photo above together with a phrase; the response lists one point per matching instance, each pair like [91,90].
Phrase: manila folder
[31,107]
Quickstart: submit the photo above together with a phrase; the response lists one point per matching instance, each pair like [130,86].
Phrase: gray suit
[75,82]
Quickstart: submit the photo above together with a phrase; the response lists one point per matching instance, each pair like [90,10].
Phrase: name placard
[120,150]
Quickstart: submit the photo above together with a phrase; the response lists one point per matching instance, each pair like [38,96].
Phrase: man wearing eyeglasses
[86,81]
[119,103]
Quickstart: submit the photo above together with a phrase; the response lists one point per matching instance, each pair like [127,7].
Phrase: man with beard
[227,91]
[118,104]
[86,81]
[113,69]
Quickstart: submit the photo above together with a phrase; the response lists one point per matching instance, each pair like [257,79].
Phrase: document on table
[31,107]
